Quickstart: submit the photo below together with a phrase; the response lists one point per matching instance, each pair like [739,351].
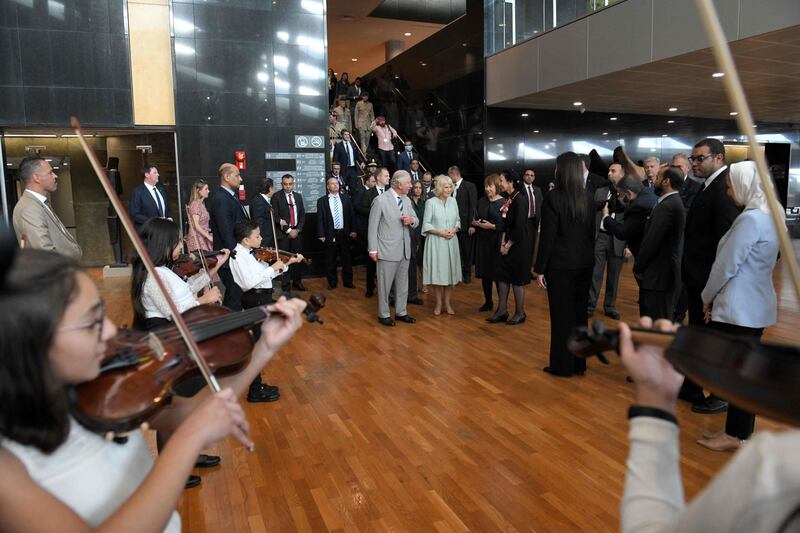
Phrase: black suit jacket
[537,201]
[658,262]
[631,228]
[225,212]
[281,207]
[260,211]
[366,200]
[325,217]
[564,243]
[595,181]
[340,155]
[404,158]
[709,218]
[143,205]
[467,200]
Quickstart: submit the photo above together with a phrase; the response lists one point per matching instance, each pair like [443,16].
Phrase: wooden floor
[445,425]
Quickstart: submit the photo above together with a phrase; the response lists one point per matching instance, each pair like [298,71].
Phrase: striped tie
[337,219]
[400,204]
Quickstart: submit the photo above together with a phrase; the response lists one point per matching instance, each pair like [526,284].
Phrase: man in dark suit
[709,218]
[290,217]
[533,197]
[405,157]
[608,249]
[381,186]
[261,212]
[415,172]
[658,264]
[225,212]
[336,172]
[335,231]
[591,181]
[640,202]
[148,200]
[467,199]
[689,190]
[427,184]
[349,158]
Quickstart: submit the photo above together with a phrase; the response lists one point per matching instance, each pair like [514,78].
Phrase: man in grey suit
[390,219]
[34,218]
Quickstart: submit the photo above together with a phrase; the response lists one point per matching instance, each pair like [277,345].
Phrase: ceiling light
[407,34]
[537,131]
[717,74]
[424,65]
[524,115]
[673,109]
[554,140]
[613,118]
[491,138]
[670,122]
[755,126]
[663,134]
[605,133]
[733,113]
[577,103]
[353,59]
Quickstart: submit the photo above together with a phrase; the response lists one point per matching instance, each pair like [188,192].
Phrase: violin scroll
[315,303]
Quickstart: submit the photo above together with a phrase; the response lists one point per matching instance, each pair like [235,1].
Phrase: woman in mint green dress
[441,264]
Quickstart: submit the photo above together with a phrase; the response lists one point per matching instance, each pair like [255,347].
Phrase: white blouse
[250,273]
[182,292]
[90,475]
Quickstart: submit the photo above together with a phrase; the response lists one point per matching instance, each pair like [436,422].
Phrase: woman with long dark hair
[512,273]
[59,476]
[161,239]
[565,261]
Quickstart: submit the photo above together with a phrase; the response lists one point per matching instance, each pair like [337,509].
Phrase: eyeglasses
[96,324]
[701,158]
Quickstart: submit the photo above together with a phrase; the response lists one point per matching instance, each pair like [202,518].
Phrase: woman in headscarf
[739,297]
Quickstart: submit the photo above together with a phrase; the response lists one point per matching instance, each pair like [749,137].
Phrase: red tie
[292,221]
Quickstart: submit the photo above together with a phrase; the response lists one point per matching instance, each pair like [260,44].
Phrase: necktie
[158,202]
[337,220]
[400,203]
[292,221]
[532,204]
[380,191]
[349,155]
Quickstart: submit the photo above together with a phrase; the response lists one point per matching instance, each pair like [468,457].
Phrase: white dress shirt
[162,205]
[183,293]
[267,199]
[709,180]
[292,207]
[665,196]
[250,273]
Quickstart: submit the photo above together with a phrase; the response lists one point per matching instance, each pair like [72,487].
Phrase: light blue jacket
[740,285]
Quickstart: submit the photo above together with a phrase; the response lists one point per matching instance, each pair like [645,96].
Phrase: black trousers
[465,248]
[694,304]
[372,272]
[387,159]
[350,177]
[739,423]
[568,296]
[295,274]
[255,298]
[339,247]
[233,294]
[656,304]
[412,277]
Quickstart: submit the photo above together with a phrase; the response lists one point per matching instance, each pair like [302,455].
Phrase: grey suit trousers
[392,273]
[604,253]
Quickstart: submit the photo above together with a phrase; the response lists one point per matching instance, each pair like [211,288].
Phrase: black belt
[253,292]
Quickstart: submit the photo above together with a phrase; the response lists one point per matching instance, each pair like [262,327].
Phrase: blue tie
[337,224]
[158,203]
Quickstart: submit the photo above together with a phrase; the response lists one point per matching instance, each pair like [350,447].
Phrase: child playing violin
[255,277]
[57,475]
[161,239]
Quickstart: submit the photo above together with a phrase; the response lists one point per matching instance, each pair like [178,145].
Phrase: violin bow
[744,119]
[274,235]
[197,244]
[127,223]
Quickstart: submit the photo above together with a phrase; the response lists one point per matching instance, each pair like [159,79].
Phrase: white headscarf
[747,186]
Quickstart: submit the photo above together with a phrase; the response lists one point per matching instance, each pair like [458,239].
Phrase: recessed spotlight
[554,140]
[491,138]
[407,34]
[755,126]
[353,59]
[524,115]
[537,131]
[605,133]
[663,134]
[670,122]
[577,103]
[733,113]
[718,75]
[501,150]
[673,109]
[613,118]
[424,64]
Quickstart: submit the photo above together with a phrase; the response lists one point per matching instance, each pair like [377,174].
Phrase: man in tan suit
[34,219]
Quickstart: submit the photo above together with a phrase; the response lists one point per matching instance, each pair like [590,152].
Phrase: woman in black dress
[417,239]
[489,224]
[512,272]
[565,261]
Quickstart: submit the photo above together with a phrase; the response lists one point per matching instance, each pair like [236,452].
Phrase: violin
[759,377]
[187,265]
[141,368]
[270,254]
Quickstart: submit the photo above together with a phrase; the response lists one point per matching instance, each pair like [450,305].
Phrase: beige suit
[42,228]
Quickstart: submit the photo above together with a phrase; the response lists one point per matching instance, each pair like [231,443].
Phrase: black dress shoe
[193,481]
[691,398]
[299,286]
[331,287]
[554,373]
[486,307]
[415,301]
[612,314]
[349,286]
[405,318]
[467,278]
[206,461]
[263,394]
[387,321]
[494,319]
[271,388]
[369,293]
[516,319]
[710,406]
